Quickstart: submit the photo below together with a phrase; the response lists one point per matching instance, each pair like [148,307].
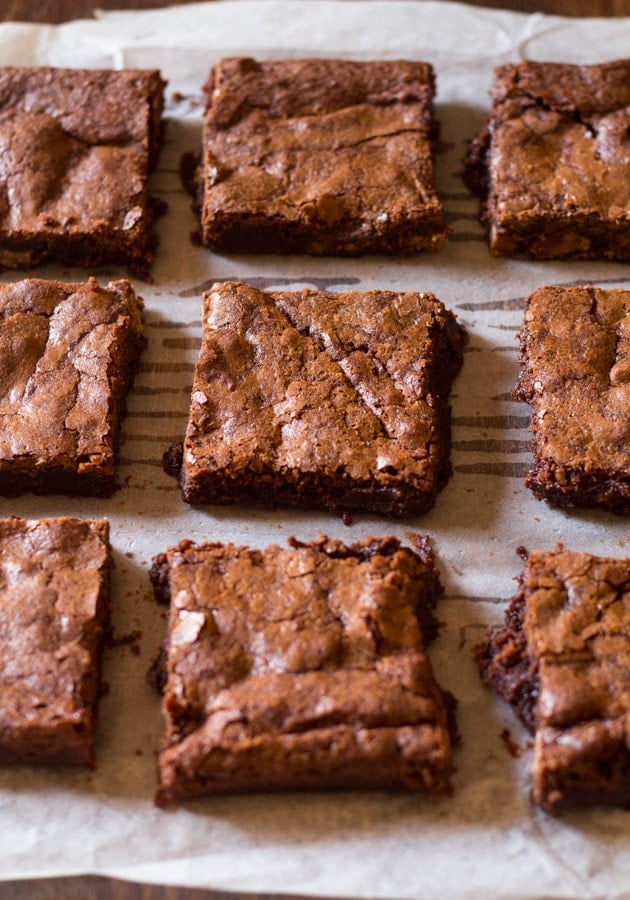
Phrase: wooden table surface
[56,11]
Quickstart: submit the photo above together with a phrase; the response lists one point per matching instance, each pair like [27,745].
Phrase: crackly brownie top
[326,139]
[559,139]
[577,624]
[62,349]
[51,576]
[576,352]
[315,382]
[75,148]
[286,640]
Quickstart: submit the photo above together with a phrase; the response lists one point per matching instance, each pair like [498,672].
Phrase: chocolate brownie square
[312,399]
[67,357]
[76,149]
[562,660]
[552,165]
[319,156]
[54,584]
[575,348]
[300,668]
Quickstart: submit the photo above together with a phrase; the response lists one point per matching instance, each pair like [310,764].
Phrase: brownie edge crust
[562,661]
[300,668]
[54,609]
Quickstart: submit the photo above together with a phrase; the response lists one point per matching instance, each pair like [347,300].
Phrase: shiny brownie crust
[298,401]
[54,607]
[67,357]
[562,660]
[552,165]
[575,352]
[76,150]
[300,668]
[326,157]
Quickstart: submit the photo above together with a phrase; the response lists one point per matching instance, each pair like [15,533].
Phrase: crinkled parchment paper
[487,841]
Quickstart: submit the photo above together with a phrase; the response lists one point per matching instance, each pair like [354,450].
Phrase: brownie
[67,357]
[562,661]
[54,583]
[300,668]
[575,346]
[313,399]
[319,156]
[552,165]
[76,148]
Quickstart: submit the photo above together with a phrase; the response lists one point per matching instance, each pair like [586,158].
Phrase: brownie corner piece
[300,668]
[324,157]
[297,402]
[91,137]
[69,352]
[562,661]
[575,354]
[50,646]
[551,167]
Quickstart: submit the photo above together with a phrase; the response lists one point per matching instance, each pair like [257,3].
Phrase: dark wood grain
[56,11]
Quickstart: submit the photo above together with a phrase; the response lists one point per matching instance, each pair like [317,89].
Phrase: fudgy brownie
[563,662]
[575,346]
[300,668]
[76,148]
[306,398]
[552,165]
[54,607]
[327,157]
[67,357]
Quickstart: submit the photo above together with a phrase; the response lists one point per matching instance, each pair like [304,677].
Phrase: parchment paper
[487,841]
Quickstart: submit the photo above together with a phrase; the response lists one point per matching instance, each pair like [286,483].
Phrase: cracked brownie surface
[54,582]
[300,668]
[552,165]
[321,400]
[67,357]
[327,157]
[575,350]
[563,662]
[75,151]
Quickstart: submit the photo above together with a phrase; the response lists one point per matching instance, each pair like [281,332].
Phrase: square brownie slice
[67,357]
[575,350]
[54,607]
[552,166]
[76,149]
[319,156]
[300,668]
[563,662]
[335,401]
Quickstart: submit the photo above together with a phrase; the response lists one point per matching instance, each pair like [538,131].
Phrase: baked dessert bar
[67,357]
[76,149]
[320,400]
[319,156]
[300,668]
[575,351]
[54,607]
[552,165]
[562,661]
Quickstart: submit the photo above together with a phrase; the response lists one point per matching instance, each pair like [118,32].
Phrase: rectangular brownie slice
[563,662]
[575,350]
[300,668]
[552,165]
[320,156]
[335,401]
[67,358]
[54,607]
[76,149]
